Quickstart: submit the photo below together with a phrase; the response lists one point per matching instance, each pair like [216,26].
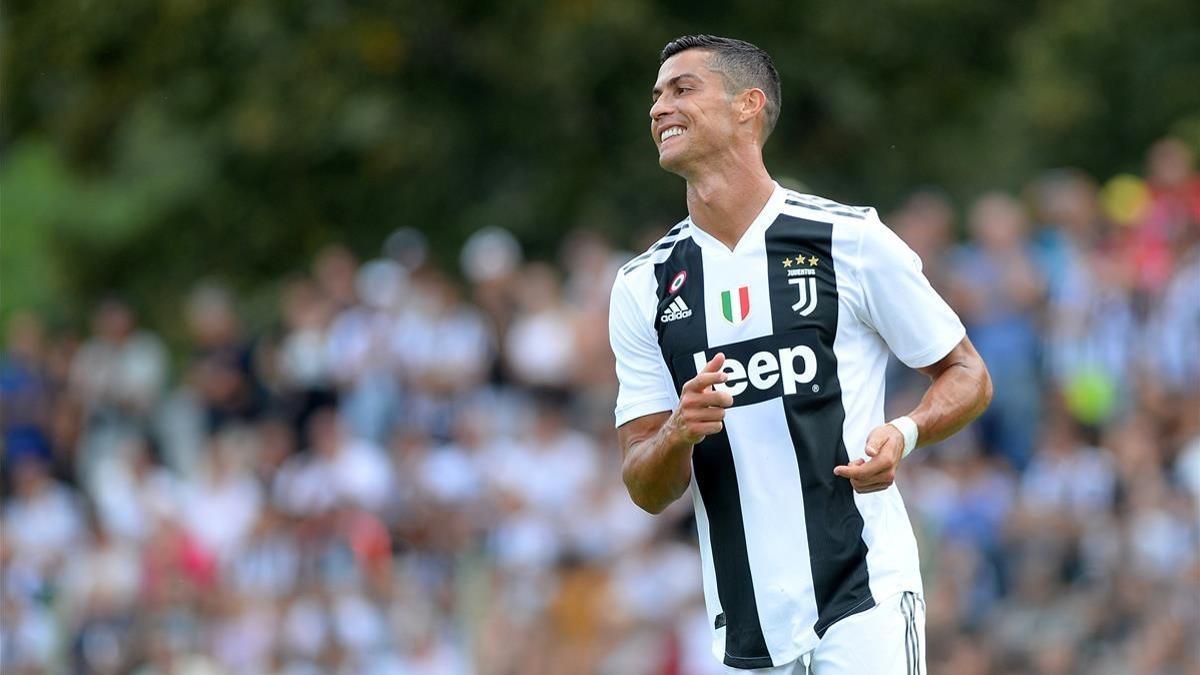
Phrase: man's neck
[725,199]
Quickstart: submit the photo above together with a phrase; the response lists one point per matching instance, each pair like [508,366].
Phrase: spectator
[444,352]
[359,351]
[100,588]
[540,344]
[997,290]
[926,223]
[1171,220]
[335,270]
[119,373]
[222,369]
[303,373]
[42,520]
[337,469]
[25,391]
[222,505]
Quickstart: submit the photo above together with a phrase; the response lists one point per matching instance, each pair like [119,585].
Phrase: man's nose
[660,108]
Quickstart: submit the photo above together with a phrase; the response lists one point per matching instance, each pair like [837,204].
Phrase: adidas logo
[678,309]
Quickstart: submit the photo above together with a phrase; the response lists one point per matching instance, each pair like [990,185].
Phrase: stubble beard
[682,164]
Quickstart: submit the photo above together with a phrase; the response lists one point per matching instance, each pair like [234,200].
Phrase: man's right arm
[656,449]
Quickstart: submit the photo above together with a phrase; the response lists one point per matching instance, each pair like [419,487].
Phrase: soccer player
[751,343]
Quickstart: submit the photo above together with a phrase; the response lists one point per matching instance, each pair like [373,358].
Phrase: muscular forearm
[960,392]
[657,465]
[658,469]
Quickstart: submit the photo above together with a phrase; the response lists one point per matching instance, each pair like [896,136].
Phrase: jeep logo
[764,369]
[783,364]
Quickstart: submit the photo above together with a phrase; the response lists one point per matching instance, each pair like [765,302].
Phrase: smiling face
[693,115]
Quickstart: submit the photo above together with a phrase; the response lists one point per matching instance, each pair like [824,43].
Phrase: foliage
[148,143]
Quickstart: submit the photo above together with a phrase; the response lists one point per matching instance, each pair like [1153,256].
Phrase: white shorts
[888,639]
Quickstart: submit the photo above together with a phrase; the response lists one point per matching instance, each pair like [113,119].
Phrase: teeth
[667,133]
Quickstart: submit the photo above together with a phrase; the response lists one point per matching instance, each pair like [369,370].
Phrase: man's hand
[656,449]
[885,445]
[701,410]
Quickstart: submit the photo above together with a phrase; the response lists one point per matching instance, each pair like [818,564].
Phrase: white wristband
[908,429]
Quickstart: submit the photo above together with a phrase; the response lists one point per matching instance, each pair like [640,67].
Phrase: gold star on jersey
[795,266]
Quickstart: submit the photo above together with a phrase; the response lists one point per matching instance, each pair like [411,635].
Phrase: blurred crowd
[411,468]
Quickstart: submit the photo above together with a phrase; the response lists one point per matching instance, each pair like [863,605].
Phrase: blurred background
[305,362]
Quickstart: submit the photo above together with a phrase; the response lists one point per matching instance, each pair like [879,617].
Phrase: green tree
[149,143]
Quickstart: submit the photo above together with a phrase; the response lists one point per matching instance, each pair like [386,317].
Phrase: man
[751,343]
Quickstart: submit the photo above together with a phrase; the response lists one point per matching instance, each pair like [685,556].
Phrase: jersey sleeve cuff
[936,351]
[638,409]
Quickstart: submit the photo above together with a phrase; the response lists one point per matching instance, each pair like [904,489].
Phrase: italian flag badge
[735,304]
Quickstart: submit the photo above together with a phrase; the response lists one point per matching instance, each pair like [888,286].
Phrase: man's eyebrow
[672,82]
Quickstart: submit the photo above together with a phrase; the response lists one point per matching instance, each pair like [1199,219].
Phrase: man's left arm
[961,390]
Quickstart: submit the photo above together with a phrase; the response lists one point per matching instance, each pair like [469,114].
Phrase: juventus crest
[808,294]
[802,274]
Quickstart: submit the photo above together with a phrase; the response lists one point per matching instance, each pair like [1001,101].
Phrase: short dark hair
[743,65]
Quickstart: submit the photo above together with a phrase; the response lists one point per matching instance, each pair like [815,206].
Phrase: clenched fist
[701,410]
[885,446]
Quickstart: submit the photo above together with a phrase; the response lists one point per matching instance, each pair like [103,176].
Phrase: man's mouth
[670,132]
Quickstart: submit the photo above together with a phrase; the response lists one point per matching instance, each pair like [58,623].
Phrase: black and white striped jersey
[805,309]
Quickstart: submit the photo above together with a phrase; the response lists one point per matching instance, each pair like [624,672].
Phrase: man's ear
[750,103]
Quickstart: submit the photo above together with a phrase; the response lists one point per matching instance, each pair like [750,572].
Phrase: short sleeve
[915,322]
[644,383]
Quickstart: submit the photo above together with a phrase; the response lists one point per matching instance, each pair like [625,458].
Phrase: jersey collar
[750,237]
